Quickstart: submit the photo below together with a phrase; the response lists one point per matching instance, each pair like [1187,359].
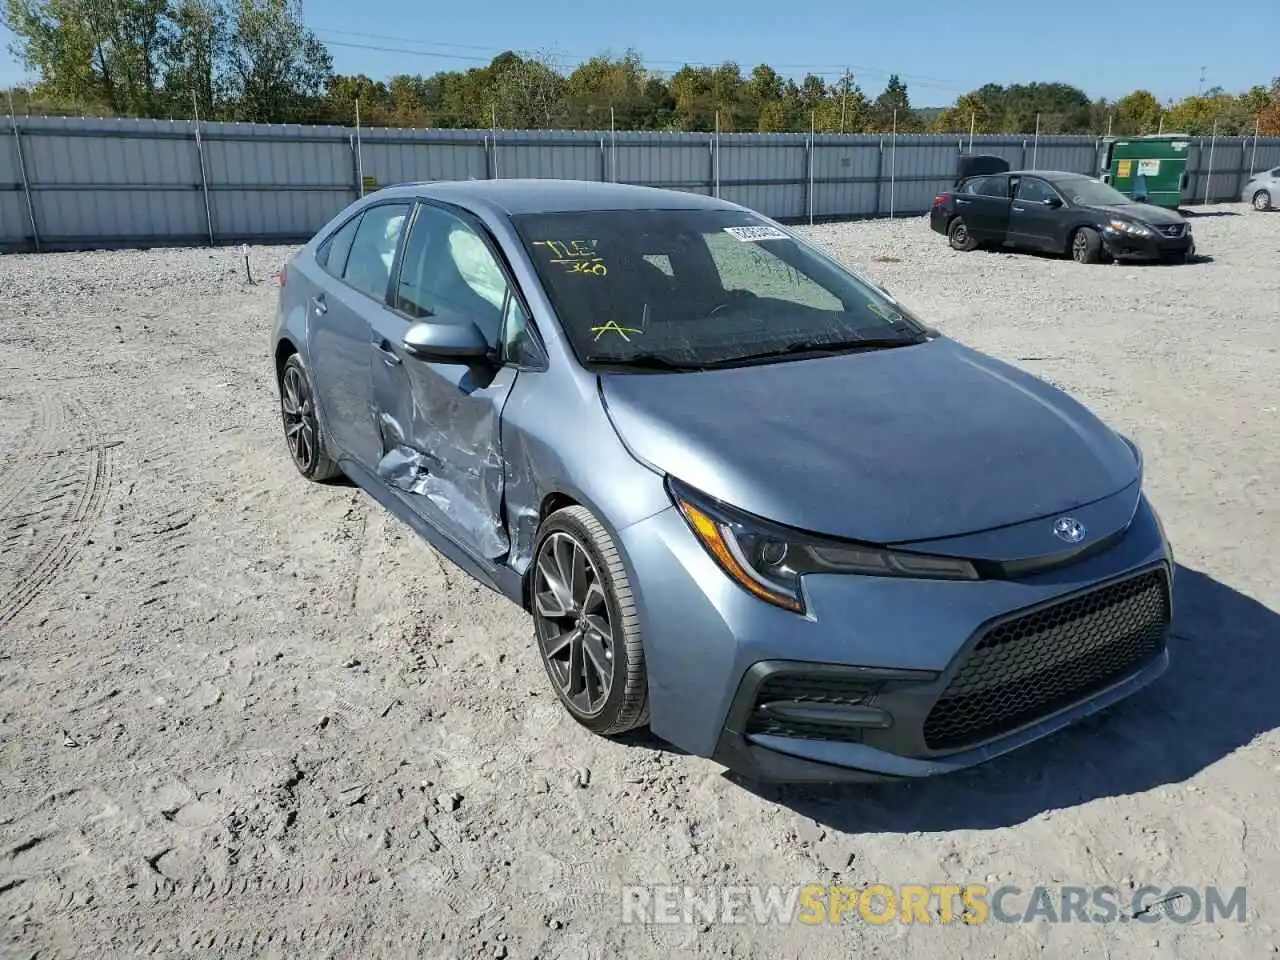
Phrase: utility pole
[1200,89]
[844,97]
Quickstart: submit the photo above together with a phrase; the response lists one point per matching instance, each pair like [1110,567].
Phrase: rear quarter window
[333,253]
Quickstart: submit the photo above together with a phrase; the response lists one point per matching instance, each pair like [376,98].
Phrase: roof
[522,196]
[1048,174]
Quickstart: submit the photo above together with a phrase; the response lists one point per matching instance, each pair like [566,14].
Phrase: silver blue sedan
[747,497]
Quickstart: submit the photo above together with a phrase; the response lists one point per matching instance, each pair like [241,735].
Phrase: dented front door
[440,424]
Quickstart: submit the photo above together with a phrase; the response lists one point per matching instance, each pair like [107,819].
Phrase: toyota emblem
[1069,529]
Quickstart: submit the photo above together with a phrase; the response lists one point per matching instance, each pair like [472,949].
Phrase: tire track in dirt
[63,517]
[30,452]
[330,929]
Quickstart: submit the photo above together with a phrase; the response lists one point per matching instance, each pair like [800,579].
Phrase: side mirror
[438,342]
[1053,203]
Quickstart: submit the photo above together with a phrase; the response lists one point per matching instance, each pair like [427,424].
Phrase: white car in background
[1263,190]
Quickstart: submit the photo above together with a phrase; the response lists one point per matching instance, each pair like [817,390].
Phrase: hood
[913,443]
[1142,212]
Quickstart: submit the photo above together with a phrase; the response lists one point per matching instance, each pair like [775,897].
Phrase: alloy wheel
[1080,247]
[1262,200]
[574,627]
[960,234]
[299,416]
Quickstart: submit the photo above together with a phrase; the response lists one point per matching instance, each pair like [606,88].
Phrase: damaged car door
[439,421]
[356,261]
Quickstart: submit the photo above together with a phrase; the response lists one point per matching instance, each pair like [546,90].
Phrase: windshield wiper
[816,346]
[645,361]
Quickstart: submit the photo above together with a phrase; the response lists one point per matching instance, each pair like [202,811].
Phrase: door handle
[389,355]
[1019,209]
[318,302]
[961,203]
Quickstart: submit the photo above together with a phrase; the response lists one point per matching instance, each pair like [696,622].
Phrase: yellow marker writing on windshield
[592,268]
[614,327]
[884,313]
[576,256]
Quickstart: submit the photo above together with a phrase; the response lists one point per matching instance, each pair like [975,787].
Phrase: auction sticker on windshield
[754,234]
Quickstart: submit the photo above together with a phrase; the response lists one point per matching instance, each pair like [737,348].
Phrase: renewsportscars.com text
[925,904]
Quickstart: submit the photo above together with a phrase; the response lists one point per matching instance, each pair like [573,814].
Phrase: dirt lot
[242,715]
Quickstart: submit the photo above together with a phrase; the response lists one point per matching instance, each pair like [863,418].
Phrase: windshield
[1084,191]
[691,288]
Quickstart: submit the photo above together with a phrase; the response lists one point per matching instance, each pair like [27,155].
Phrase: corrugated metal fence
[83,182]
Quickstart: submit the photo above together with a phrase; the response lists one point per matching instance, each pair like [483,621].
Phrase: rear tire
[1262,200]
[586,624]
[302,433]
[959,237]
[1086,246]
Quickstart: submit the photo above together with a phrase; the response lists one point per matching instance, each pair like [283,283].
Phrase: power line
[817,69]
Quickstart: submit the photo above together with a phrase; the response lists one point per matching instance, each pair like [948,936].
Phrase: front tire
[959,237]
[1086,246]
[302,425]
[586,624]
[1262,200]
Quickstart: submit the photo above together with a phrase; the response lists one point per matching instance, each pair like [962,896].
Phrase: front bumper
[712,649]
[1156,247]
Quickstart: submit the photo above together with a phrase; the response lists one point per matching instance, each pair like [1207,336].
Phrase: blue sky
[939,48]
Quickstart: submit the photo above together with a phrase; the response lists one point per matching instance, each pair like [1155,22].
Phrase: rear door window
[990,186]
[997,186]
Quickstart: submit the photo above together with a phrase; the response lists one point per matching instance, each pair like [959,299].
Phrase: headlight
[769,560]
[1126,226]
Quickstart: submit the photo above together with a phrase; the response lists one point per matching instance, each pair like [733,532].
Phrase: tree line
[257,61]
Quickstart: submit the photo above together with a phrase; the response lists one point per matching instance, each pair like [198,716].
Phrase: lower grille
[808,690]
[1036,664]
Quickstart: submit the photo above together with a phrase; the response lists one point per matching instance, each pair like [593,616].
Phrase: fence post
[22,171]
[893,165]
[1241,177]
[359,154]
[1023,163]
[711,164]
[488,161]
[875,211]
[1257,123]
[716,153]
[496,172]
[808,178]
[1208,182]
[204,178]
[356,183]
[604,162]
[813,126]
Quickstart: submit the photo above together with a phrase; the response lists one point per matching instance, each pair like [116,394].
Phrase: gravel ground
[241,714]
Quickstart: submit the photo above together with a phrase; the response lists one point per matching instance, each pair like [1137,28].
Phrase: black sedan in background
[1058,212]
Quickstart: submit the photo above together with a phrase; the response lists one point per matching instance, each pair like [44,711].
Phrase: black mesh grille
[1033,665]
[809,689]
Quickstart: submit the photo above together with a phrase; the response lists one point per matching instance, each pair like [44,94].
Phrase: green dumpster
[1153,167]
